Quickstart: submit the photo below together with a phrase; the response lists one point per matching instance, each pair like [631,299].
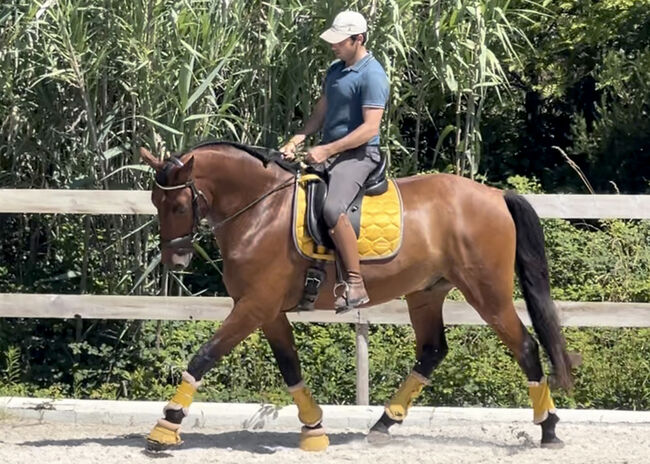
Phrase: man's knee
[332,212]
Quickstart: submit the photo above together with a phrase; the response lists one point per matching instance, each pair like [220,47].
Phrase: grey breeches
[347,174]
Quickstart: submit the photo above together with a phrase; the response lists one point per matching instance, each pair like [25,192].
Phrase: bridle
[186,241]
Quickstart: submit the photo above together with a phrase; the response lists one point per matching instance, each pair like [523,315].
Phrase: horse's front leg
[280,337]
[246,316]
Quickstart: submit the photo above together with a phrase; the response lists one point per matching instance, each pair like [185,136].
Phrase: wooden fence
[138,202]
[205,308]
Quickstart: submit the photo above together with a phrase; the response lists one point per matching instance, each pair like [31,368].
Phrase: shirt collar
[359,65]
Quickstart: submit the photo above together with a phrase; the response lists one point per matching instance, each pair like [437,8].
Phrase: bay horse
[456,233]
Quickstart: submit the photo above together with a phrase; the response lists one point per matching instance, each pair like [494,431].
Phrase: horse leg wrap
[167,431]
[540,395]
[309,412]
[312,435]
[314,439]
[185,392]
[398,406]
[162,437]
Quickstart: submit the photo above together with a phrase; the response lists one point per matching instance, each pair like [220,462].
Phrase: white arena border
[269,417]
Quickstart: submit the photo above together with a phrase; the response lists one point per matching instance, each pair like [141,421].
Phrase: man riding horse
[454,233]
[355,92]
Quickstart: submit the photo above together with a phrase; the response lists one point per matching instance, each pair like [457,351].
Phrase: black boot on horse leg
[345,240]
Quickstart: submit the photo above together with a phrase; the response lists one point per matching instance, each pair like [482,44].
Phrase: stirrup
[348,306]
[343,296]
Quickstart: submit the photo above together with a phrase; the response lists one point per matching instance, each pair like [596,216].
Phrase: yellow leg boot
[312,437]
[540,396]
[399,404]
[544,413]
[166,434]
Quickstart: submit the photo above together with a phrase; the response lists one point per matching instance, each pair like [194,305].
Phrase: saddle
[316,193]
[378,229]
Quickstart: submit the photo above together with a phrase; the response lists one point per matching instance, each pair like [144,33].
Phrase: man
[349,112]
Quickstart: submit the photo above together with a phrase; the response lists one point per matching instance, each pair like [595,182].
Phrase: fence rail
[573,314]
[139,202]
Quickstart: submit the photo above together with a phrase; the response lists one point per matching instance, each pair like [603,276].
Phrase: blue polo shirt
[347,91]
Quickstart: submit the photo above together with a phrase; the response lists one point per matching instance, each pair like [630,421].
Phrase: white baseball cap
[345,24]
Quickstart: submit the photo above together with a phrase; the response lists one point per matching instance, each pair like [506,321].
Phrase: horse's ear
[151,160]
[185,171]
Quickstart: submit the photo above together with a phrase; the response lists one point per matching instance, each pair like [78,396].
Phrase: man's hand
[317,154]
[288,150]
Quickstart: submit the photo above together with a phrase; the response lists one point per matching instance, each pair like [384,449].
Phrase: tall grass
[84,82]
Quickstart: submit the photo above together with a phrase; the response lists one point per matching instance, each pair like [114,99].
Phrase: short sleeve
[374,90]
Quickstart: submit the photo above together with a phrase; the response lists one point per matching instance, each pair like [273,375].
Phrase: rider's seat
[376,184]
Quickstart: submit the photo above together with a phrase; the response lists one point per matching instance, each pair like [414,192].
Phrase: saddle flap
[379,228]
[316,227]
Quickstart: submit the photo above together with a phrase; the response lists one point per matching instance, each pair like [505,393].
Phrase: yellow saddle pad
[380,234]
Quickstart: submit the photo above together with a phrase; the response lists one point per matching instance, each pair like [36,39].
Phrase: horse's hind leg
[246,316]
[491,297]
[280,336]
[425,312]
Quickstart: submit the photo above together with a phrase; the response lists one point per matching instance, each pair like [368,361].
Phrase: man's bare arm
[313,125]
[362,134]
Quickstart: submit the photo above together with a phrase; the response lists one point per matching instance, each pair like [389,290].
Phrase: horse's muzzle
[177,260]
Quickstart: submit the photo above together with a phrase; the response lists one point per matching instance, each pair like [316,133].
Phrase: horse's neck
[235,179]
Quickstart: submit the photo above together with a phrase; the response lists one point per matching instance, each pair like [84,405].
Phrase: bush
[479,370]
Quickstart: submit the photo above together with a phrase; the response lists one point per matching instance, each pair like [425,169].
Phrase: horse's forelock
[162,176]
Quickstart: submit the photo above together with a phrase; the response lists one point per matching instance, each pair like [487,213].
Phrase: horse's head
[179,203]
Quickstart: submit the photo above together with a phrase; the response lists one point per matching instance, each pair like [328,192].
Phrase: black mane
[265,155]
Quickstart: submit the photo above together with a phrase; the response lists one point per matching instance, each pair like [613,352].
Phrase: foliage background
[484,88]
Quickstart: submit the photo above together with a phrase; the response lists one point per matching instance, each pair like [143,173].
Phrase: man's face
[346,49]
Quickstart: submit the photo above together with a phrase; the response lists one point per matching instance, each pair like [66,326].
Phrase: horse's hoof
[157,447]
[162,439]
[378,438]
[549,439]
[313,439]
[553,443]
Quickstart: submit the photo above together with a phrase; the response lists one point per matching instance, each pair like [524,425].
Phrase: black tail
[532,269]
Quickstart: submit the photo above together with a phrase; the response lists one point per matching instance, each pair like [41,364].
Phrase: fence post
[363,378]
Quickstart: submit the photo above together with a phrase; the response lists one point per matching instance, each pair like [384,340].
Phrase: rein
[254,202]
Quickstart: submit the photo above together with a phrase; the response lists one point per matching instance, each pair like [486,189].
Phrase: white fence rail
[139,202]
[571,314]
[197,308]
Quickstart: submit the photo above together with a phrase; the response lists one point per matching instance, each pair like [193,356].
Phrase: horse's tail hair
[532,269]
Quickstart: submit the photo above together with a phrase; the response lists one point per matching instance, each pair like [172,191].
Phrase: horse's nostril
[178,267]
